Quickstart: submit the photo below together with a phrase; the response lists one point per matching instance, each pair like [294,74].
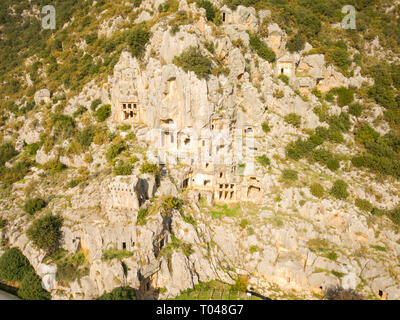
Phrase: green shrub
[209,45]
[316,93]
[141,217]
[296,43]
[111,254]
[31,288]
[278,94]
[339,56]
[169,203]
[261,48]
[392,116]
[174,29]
[365,134]
[317,190]
[121,293]
[294,119]
[298,149]
[7,152]
[33,205]
[69,267]
[265,127]
[14,265]
[192,60]
[210,9]
[355,109]
[322,132]
[333,164]
[3,223]
[85,137]
[130,136]
[363,205]
[91,38]
[148,167]
[138,39]
[335,135]
[284,78]
[54,166]
[123,169]
[125,127]
[316,139]
[244,223]
[73,183]
[310,25]
[327,158]
[63,125]
[331,256]
[103,112]
[31,149]
[114,150]
[11,175]
[240,284]
[345,96]
[340,122]
[254,249]
[394,215]
[95,103]
[45,233]
[329,96]
[79,111]
[289,175]
[263,160]
[168,6]
[67,272]
[339,189]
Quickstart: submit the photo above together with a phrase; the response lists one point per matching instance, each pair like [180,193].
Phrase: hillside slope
[103,120]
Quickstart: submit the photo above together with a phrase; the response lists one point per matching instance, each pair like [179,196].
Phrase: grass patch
[110,254]
[225,211]
[379,248]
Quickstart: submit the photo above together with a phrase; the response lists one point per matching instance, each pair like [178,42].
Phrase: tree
[14,265]
[85,137]
[120,293]
[31,288]
[261,48]
[296,43]
[137,40]
[210,9]
[103,112]
[46,233]
[192,60]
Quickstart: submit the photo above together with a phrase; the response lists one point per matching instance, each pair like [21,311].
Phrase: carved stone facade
[226,183]
[286,66]
[42,96]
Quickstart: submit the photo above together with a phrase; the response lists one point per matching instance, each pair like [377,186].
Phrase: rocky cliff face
[290,242]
